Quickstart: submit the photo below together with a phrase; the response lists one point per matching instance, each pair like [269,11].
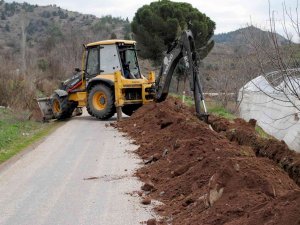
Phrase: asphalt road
[80,174]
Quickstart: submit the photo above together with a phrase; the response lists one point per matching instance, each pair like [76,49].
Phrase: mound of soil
[202,177]
[244,133]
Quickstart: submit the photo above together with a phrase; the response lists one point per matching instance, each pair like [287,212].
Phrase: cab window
[92,67]
[109,59]
[129,62]
[133,63]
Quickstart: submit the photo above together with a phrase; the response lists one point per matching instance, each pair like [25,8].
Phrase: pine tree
[157,25]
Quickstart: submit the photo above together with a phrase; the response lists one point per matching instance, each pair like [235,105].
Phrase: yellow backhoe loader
[110,80]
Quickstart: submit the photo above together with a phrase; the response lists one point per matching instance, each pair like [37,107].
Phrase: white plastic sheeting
[273,109]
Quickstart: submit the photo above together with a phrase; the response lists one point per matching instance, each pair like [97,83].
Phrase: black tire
[100,102]
[62,108]
[130,109]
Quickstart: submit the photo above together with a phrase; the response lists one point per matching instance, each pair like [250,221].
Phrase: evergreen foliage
[157,25]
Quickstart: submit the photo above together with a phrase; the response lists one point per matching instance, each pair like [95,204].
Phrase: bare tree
[277,57]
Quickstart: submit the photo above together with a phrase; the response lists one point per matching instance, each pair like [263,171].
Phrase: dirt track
[208,177]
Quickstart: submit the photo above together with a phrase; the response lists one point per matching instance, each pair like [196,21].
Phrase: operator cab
[129,62]
[107,57]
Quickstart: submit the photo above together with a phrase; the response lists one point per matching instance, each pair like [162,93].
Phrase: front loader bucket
[46,108]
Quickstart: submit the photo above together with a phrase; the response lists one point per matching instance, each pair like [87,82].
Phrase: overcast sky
[229,15]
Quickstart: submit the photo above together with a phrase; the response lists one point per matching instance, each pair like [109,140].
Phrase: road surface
[80,174]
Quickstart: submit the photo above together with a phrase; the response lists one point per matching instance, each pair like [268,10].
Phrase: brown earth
[201,177]
[244,133]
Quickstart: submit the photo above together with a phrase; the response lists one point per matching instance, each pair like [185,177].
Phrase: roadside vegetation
[213,106]
[262,133]
[219,110]
[17,134]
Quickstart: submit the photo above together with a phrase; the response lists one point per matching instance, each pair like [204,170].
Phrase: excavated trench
[213,177]
[244,134]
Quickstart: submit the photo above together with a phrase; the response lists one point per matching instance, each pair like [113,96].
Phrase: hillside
[241,55]
[37,23]
[41,45]
[241,36]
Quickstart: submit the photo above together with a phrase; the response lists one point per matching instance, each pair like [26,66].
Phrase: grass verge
[219,110]
[16,134]
[212,107]
[262,133]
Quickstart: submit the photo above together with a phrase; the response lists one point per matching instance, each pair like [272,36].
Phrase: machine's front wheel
[100,103]
[61,107]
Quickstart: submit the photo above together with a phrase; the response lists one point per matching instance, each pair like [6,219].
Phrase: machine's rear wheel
[61,107]
[100,103]
[129,109]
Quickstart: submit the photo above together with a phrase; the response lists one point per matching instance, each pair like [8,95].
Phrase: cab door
[109,60]
[92,62]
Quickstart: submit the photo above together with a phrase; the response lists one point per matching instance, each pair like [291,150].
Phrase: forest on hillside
[41,45]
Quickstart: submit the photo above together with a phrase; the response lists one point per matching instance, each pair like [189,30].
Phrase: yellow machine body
[122,86]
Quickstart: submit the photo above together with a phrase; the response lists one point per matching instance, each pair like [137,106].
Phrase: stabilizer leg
[119,113]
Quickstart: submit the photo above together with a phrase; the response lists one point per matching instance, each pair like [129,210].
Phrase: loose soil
[212,177]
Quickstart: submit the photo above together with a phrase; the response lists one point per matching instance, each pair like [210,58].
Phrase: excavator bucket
[203,117]
[46,108]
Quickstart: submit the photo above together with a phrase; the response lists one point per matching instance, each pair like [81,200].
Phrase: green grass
[220,111]
[262,133]
[212,107]
[16,134]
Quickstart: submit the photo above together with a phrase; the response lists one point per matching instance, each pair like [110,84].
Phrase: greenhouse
[273,99]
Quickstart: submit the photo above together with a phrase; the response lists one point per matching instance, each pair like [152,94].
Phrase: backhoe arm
[184,48]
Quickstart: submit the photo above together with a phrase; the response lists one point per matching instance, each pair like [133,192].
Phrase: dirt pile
[244,133]
[202,177]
